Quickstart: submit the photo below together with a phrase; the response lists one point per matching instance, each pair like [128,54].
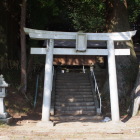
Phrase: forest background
[20,68]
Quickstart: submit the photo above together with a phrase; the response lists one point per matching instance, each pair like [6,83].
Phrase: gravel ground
[128,129]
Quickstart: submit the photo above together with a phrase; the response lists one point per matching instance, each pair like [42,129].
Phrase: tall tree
[9,11]
[23,47]
[117,16]
[127,66]
[136,96]
[86,15]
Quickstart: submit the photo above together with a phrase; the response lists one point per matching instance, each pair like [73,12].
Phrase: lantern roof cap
[3,82]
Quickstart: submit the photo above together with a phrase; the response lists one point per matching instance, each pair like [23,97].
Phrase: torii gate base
[50,51]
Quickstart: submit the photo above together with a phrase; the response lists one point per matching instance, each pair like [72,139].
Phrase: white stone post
[3,85]
[113,81]
[2,107]
[48,82]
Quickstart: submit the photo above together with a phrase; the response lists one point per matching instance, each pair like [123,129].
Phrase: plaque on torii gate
[49,51]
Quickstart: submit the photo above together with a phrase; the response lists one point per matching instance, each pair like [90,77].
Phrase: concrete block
[6,120]
[3,115]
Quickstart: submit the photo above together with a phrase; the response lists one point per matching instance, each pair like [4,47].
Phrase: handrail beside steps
[96,89]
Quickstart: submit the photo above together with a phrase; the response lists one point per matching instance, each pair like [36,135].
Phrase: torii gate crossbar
[49,51]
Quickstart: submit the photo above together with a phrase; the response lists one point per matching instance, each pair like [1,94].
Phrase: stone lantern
[3,86]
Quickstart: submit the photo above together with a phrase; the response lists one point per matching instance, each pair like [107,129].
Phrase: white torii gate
[81,42]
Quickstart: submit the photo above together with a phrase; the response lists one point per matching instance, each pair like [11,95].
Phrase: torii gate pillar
[113,82]
[48,82]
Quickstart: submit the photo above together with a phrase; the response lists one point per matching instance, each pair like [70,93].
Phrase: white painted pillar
[2,108]
[113,82]
[48,82]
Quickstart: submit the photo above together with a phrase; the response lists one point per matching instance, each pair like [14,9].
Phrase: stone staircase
[74,99]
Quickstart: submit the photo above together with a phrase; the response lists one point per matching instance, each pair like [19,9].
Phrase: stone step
[71,100]
[72,74]
[76,112]
[76,96]
[95,118]
[74,108]
[74,81]
[74,90]
[72,77]
[71,84]
[65,104]
[72,87]
[72,93]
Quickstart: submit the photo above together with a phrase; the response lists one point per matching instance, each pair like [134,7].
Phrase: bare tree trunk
[117,16]
[136,96]
[127,66]
[23,48]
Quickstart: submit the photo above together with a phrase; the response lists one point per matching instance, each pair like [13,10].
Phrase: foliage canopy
[71,15]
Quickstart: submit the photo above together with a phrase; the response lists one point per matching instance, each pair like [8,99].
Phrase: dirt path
[27,130]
